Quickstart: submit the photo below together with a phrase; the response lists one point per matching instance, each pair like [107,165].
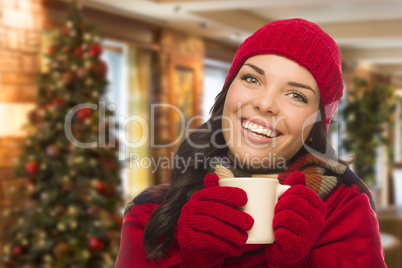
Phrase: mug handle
[280,190]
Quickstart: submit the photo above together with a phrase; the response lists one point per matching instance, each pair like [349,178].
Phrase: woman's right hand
[211,226]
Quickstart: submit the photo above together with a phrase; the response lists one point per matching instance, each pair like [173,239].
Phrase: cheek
[303,122]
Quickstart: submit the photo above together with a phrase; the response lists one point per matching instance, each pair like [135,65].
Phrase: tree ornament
[65,30]
[47,258]
[34,117]
[61,227]
[18,251]
[78,52]
[95,94]
[89,82]
[44,196]
[93,211]
[68,78]
[84,113]
[66,188]
[95,51]
[31,168]
[61,249]
[66,64]
[28,265]
[73,225]
[53,65]
[107,165]
[51,50]
[100,69]
[43,166]
[87,36]
[117,219]
[69,24]
[72,210]
[67,49]
[85,254]
[82,72]
[53,150]
[95,243]
[6,249]
[10,264]
[101,187]
[58,210]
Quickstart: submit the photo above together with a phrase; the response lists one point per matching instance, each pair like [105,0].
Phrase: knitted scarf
[323,176]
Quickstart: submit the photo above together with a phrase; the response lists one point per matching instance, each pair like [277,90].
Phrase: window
[215,73]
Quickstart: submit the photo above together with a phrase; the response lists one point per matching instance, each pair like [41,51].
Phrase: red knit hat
[305,43]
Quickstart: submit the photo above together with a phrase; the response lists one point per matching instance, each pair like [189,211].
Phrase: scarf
[323,176]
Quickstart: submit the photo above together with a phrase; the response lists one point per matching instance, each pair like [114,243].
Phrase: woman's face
[265,111]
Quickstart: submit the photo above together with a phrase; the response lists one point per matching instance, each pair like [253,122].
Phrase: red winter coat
[350,237]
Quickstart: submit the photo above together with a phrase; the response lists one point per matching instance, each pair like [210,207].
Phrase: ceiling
[366,31]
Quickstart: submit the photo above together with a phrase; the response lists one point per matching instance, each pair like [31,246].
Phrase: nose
[266,101]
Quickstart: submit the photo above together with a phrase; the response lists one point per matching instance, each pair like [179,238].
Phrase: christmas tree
[68,212]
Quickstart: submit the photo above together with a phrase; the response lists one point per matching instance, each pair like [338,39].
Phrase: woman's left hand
[298,221]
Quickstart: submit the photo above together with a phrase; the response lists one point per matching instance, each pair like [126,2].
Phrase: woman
[270,118]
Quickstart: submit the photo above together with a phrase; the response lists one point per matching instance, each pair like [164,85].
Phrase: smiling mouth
[259,130]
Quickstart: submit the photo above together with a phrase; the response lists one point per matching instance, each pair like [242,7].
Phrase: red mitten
[210,226]
[298,221]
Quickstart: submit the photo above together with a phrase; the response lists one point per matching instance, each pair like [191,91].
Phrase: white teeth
[258,129]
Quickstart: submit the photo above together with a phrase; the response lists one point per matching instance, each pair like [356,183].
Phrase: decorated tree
[67,214]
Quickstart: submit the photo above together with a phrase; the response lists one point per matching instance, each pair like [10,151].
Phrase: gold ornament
[73,225]
[61,249]
[61,227]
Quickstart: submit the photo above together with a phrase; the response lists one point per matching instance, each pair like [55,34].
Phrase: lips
[260,129]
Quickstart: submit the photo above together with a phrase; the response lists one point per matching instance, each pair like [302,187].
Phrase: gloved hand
[210,226]
[298,221]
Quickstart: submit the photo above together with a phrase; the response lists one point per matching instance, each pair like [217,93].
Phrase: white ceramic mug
[262,194]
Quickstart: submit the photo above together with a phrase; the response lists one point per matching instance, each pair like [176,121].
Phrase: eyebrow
[295,84]
[257,69]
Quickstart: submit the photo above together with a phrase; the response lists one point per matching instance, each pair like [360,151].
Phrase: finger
[307,194]
[291,221]
[211,180]
[299,205]
[232,196]
[215,244]
[219,229]
[295,178]
[227,214]
[288,241]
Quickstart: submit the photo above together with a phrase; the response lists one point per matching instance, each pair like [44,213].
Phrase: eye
[298,97]
[249,78]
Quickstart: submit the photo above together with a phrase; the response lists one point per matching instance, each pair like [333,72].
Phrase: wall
[20,25]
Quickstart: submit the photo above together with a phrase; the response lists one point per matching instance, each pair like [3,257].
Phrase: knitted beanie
[305,43]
